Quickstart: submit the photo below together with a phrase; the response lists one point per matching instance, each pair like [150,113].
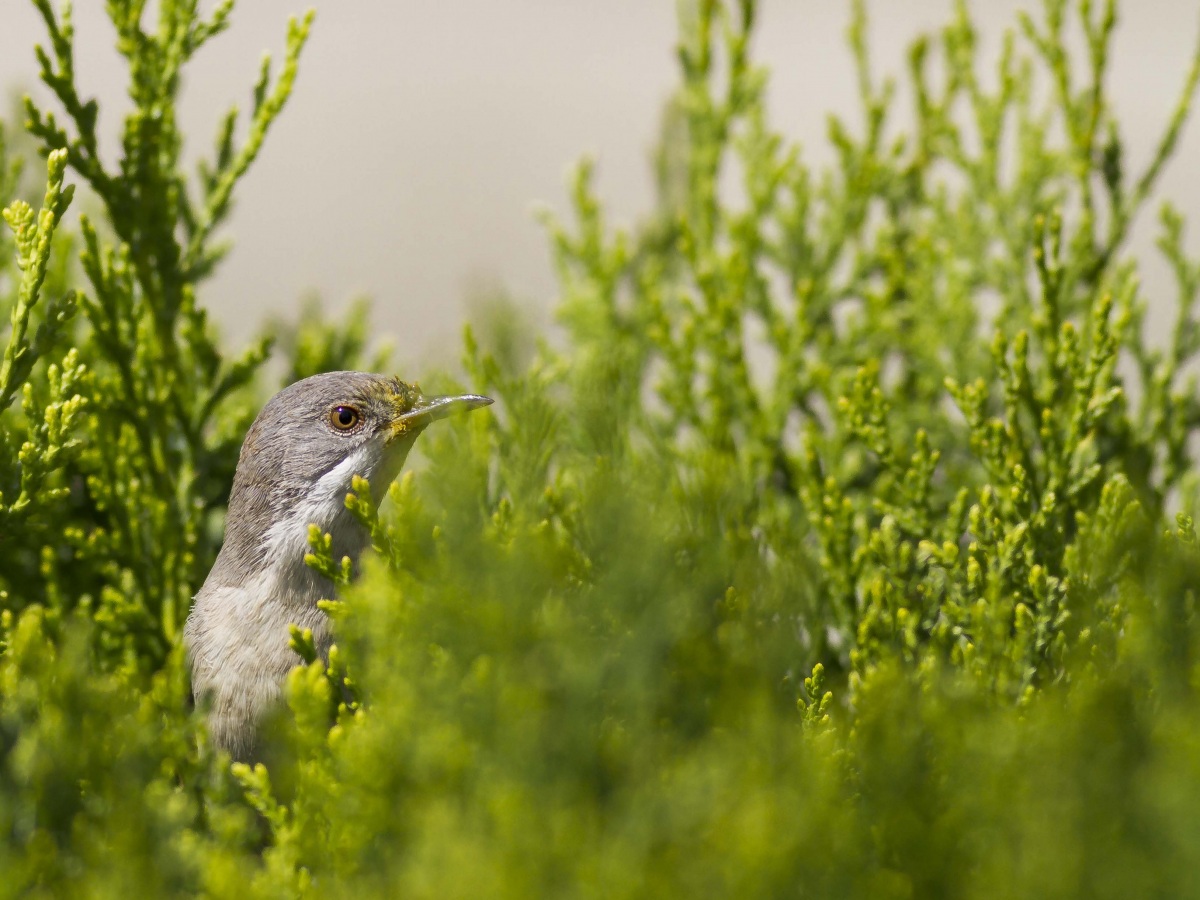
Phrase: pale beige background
[421,134]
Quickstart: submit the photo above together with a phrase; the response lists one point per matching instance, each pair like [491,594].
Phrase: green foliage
[315,344]
[167,409]
[829,557]
[45,444]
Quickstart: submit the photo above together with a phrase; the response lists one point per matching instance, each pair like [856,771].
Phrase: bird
[296,467]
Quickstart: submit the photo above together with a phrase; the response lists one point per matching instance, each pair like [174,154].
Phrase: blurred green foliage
[832,556]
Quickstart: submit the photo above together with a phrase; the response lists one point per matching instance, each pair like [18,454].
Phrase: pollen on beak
[430,409]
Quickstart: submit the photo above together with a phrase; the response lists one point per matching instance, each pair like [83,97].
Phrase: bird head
[301,454]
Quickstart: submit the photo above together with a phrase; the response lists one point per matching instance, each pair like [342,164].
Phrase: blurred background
[422,136]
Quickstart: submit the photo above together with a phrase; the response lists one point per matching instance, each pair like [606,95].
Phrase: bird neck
[267,526]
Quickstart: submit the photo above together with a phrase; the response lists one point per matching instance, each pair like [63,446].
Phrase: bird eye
[344,418]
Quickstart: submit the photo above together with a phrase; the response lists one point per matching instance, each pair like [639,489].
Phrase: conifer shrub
[844,549]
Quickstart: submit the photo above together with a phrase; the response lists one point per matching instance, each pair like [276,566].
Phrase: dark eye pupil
[345,416]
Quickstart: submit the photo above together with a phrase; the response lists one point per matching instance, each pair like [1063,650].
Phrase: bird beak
[430,409]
